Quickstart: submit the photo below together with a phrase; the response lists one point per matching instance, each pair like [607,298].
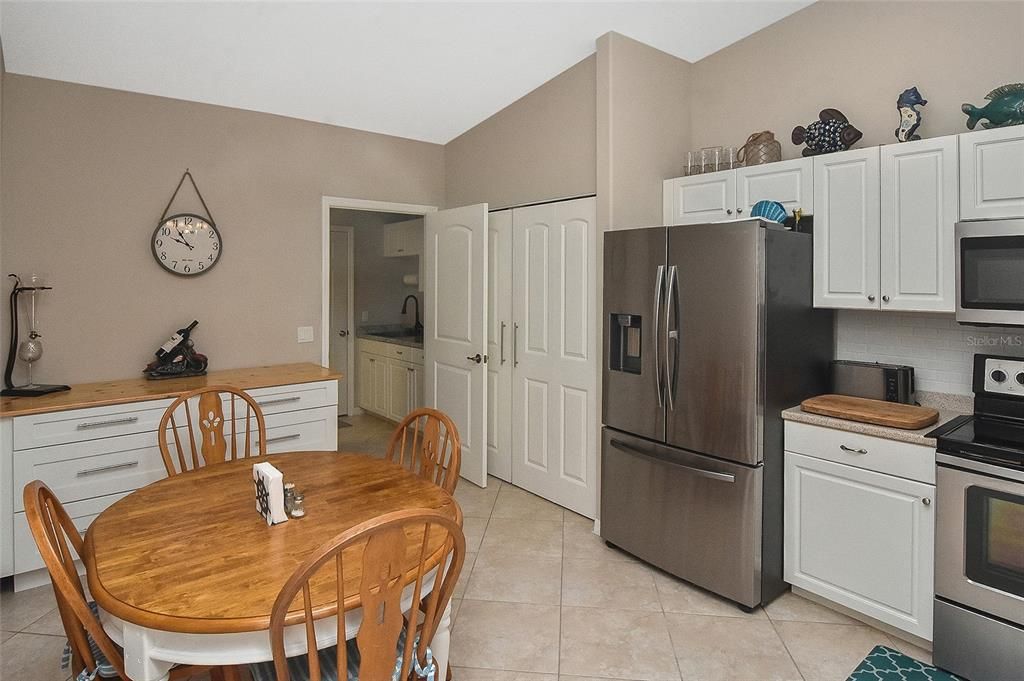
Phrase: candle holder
[31,349]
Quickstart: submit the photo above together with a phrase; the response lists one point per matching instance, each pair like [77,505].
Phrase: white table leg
[441,644]
[137,662]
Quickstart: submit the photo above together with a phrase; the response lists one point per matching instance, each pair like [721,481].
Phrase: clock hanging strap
[188,174]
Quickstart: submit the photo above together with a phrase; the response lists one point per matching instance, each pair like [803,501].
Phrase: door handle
[515,344]
[343,333]
[671,376]
[501,352]
[659,281]
[478,358]
[704,473]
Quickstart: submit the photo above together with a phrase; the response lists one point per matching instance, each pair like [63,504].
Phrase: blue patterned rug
[886,664]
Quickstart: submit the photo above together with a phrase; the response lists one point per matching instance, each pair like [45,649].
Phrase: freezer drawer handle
[714,475]
[852,451]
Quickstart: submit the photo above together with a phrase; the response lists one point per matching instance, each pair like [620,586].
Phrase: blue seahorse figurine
[1005,107]
[910,117]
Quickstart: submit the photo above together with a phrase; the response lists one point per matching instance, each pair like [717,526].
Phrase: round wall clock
[187,244]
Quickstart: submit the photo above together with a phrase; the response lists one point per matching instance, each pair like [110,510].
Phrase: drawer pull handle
[85,425]
[279,400]
[106,469]
[852,451]
[281,438]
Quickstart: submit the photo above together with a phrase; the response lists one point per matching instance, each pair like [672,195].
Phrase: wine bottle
[176,339]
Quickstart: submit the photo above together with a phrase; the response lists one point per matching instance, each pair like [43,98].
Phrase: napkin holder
[268,484]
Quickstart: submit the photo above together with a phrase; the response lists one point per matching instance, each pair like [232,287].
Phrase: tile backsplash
[940,350]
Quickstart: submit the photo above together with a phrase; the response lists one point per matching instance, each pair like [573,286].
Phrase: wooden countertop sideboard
[98,442]
[140,389]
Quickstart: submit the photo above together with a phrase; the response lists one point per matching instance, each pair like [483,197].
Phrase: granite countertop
[391,333]
[949,406]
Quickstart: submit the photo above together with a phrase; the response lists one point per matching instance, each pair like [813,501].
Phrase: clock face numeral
[186,245]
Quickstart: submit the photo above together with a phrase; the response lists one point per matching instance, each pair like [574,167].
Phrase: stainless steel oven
[990,272]
[979,529]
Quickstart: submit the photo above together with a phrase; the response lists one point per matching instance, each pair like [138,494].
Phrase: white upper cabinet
[699,199]
[846,229]
[788,182]
[919,213]
[992,174]
[730,194]
[403,238]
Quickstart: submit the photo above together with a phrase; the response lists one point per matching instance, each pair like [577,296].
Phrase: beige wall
[643,128]
[86,174]
[540,147]
[858,57]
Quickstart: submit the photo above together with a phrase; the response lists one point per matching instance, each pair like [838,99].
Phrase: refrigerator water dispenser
[625,348]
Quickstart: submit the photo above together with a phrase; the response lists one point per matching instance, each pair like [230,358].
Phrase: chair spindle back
[427,443]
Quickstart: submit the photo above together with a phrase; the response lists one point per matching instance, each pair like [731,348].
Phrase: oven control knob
[1020,378]
[999,376]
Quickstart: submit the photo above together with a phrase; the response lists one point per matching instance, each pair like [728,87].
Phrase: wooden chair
[384,645]
[218,435]
[59,544]
[427,443]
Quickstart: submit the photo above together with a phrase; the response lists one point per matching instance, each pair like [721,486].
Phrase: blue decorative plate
[769,210]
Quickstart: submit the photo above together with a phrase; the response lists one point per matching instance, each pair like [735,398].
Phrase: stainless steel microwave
[990,273]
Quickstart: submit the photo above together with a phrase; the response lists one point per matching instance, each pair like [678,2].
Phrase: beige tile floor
[541,598]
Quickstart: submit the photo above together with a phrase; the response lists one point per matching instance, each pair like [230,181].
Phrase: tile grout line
[785,645]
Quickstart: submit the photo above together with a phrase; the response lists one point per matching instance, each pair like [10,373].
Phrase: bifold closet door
[499,345]
[554,356]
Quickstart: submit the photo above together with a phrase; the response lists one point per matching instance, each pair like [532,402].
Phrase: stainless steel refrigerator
[709,334]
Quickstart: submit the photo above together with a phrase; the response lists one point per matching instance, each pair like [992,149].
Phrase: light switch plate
[305,334]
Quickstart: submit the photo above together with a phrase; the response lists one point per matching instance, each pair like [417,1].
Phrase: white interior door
[340,338]
[499,345]
[455,327]
[555,362]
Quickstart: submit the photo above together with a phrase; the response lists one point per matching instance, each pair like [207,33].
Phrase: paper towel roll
[411,279]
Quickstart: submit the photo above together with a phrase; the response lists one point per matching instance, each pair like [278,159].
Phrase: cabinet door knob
[885,299]
[739,210]
[728,211]
[926,501]
[871,297]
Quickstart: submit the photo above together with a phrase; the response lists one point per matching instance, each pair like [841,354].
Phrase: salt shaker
[298,505]
[289,497]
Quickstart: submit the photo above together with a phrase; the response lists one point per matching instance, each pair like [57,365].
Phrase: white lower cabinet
[390,381]
[862,539]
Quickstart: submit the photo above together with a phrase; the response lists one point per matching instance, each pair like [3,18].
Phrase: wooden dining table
[185,571]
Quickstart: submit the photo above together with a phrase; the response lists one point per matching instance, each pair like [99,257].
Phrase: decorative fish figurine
[910,117]
[831,132]
[1005,107]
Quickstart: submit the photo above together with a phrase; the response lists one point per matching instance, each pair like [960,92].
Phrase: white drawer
[390,350]
[902,459]
[26,555]
[285,398]
[79,425]
[312,429]
[83,470]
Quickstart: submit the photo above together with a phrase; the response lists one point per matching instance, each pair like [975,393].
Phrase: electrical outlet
[305,334]
[364,316]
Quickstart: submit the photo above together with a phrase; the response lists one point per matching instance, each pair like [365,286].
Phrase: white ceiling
[423,70]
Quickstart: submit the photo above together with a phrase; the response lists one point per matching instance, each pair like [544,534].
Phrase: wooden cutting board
[879,413]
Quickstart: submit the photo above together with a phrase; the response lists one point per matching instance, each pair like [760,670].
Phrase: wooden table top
[191,554]
[140,389]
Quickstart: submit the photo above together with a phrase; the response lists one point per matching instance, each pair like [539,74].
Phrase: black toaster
[873,380]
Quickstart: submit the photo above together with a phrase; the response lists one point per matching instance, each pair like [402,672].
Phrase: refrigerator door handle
[713,475]
[672,335]
[659,281]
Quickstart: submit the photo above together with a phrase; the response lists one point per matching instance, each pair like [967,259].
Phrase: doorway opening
[371,276]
